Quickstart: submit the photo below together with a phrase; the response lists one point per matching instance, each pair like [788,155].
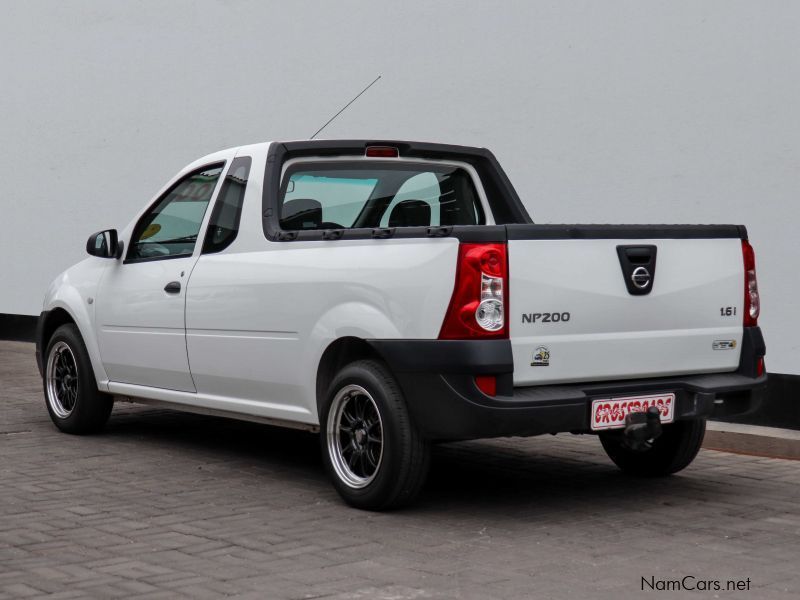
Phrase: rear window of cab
[355,194]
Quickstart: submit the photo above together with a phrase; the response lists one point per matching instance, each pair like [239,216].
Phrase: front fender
[74,291]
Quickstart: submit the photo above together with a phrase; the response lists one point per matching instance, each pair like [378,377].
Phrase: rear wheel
[669,453]
[372,450]
[73,401]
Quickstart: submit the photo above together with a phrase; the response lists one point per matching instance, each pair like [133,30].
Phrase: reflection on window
[170,228]
[224,223]
[349,194]
[423,187]
[315,199]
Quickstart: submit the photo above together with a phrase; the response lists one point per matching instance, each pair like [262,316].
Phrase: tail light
[479,304]
[752,303]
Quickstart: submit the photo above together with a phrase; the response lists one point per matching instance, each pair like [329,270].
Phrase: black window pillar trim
[208,246]
[494,181]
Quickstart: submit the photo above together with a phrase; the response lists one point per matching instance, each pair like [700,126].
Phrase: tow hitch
[641,428]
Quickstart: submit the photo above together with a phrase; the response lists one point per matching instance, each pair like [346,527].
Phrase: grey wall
[600,111]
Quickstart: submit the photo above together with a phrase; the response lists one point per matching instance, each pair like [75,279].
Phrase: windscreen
[351,194]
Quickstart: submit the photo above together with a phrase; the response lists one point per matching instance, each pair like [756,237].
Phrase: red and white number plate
[610,413]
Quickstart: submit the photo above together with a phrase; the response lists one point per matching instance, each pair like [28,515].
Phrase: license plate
[609,413]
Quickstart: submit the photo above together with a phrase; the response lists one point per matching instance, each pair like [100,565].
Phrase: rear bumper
[437,378]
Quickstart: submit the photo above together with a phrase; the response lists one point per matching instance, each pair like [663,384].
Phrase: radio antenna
[345,107]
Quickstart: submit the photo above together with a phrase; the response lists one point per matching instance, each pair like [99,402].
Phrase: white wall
[628,112]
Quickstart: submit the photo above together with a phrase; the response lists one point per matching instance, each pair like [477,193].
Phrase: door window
[169,229]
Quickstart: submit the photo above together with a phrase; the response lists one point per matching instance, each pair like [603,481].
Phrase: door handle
[173,287]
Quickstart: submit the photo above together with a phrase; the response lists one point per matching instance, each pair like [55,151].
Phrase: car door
[141,300]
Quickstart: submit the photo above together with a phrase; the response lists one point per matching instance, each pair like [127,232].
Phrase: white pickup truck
[394,294]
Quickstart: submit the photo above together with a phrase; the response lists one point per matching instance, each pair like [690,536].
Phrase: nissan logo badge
[640,277]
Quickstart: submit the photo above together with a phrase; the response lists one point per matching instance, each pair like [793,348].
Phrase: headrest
[302,213]
[410,213]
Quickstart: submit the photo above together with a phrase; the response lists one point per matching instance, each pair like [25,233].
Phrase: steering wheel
[151,250]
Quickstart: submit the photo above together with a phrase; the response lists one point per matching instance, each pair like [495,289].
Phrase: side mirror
[104,244]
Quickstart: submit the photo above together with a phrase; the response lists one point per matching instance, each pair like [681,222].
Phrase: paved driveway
[165,504]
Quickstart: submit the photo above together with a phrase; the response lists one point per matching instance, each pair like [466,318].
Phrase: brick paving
[165,504]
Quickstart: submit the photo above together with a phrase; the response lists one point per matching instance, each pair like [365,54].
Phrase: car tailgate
[590,303]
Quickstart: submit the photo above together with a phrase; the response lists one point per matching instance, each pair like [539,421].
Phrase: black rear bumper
[438,381]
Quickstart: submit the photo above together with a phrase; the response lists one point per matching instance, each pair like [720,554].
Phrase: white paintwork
[140,327]
[246,334]
[74,291]
[612,334]
[258,322]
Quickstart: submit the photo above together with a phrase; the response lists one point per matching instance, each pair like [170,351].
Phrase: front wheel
[73,400]
[372,451]
[669,453]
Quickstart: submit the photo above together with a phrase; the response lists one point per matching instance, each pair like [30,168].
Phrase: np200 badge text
[392,295]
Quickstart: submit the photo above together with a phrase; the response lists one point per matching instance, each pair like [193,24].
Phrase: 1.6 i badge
[541,357]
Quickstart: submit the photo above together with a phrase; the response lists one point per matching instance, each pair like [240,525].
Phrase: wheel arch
[58,314]
[340,336]
[337,355]
[50,321]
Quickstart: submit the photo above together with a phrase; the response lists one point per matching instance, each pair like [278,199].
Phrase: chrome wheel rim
[62,380]
[355,436]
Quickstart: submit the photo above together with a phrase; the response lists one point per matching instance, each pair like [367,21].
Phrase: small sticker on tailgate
[609,413]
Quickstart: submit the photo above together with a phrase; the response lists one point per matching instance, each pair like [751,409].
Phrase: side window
[224,223]
[170,228]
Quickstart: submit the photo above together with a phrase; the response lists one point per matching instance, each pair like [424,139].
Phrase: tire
[364,404]
[671,452]
[73,401]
